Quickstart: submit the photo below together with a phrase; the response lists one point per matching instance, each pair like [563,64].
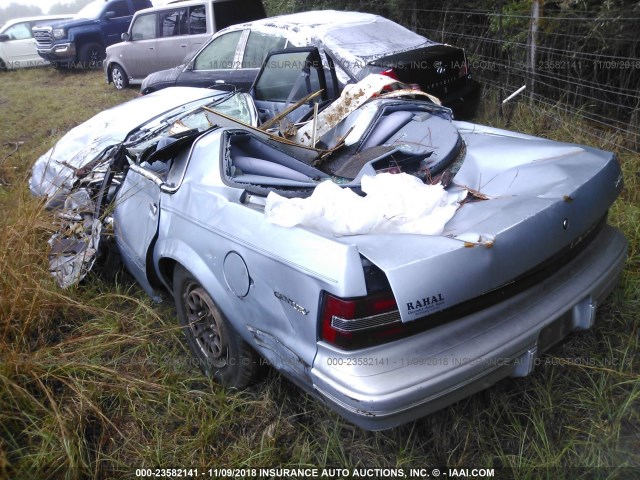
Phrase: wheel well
[167,267]
[82,41]
[110,68]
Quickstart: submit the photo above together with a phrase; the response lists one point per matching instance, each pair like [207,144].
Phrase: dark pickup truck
[81,41]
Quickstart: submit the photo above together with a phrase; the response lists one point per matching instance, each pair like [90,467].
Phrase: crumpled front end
[74,248]
[54,178]
[88,145]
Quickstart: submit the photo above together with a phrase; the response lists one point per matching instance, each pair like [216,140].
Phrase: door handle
[154,208]
[183,46]
[150,48]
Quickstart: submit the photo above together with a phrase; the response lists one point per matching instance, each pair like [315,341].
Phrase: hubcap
[117,78]
[94,58]
[205,326]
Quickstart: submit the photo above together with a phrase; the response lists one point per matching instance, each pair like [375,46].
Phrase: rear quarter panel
[205,220]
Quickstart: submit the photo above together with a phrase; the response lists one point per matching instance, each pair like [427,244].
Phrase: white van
[166,36]
[17,45]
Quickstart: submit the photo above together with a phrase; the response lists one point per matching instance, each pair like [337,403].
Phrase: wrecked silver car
[385,258]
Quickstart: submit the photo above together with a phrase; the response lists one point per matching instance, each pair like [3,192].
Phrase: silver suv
[163,37]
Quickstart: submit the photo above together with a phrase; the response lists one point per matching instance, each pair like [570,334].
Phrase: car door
[117,23]
[20,47]
[288,76]
[197,25]
[256,49]
[217,62]
[135,219]
[140,54]
[173,38]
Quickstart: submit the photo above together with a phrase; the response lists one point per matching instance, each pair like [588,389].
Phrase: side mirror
[109,15]
[125,37]
[4,38]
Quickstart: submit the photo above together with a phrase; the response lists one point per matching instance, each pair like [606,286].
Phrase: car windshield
[368,41]
[191,116]
[5,26]
[91,11]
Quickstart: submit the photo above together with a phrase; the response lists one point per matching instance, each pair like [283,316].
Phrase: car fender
[169,251]
[108,67]
[85,33]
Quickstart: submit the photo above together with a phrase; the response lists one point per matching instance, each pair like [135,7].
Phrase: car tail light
[360,322]
[391,73]
[464,69]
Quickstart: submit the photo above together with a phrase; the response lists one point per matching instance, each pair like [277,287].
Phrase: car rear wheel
[91,55]
[221,353]
[119,77]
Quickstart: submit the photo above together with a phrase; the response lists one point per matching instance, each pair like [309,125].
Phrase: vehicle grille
[43,37]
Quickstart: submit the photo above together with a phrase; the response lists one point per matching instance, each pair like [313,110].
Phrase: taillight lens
[360,322]
[464,69]
[391,73]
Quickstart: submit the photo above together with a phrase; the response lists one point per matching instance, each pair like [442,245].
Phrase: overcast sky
[46,4]
[43,4]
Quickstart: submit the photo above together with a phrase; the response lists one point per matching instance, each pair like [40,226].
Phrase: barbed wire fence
[575,62]
[581,64]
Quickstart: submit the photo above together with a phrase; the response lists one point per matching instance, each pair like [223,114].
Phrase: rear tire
[119,77]
[221,353]
[91,55]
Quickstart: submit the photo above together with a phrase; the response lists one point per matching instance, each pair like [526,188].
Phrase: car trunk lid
[437,69]
[535,209]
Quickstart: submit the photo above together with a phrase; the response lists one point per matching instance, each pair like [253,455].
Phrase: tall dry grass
[96,382]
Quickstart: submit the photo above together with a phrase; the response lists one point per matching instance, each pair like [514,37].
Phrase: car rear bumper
[387,385]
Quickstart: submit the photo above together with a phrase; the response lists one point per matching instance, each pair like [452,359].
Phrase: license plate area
[580,317]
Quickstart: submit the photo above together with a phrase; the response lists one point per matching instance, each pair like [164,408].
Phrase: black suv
[358,44]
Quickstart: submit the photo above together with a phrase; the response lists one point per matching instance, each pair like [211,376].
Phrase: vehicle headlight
[58,33]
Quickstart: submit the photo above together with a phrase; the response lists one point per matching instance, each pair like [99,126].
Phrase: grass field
[96,381]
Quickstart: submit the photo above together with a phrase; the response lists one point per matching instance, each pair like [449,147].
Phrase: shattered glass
[372,40]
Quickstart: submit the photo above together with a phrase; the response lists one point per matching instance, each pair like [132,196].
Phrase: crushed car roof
[322,26]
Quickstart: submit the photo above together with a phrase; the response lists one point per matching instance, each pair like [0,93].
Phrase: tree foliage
[15,10]
[586,55]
